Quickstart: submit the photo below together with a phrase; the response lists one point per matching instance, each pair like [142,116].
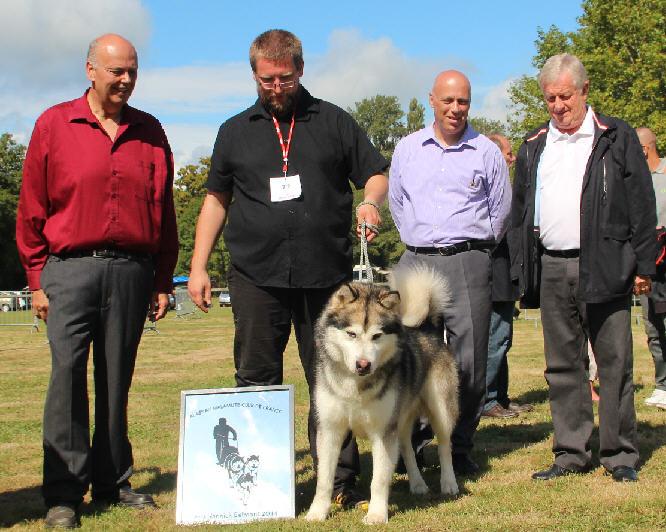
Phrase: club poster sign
[236,455]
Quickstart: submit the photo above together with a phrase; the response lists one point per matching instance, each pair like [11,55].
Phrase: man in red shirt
[96,232]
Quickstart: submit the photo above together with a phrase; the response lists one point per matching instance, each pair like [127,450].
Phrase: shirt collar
[467,139]
[586,129]
[80,110]
[305,105]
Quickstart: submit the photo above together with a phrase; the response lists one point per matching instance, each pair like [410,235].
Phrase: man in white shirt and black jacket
[582,240]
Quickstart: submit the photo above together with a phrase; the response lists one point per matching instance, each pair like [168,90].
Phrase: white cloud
[354,68]
[196,89]
[496,103]
[190,142]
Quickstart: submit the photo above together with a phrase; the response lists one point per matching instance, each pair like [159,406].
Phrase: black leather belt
[106,254]
[446,251]
[562,253]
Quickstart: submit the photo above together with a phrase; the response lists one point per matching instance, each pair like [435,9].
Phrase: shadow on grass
[26,504]
[18,506]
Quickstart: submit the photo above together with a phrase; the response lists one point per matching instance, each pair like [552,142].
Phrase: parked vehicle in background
[13,300]
[224,298]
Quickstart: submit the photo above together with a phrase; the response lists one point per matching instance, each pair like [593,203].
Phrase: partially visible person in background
[654,304]
[500,337]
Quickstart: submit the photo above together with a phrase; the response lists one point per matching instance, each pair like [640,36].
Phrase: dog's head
[252,463]
[360,327]
[235,464]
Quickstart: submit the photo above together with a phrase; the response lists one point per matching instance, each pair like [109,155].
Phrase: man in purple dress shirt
[450,198]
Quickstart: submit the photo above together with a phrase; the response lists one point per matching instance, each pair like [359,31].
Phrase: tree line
[621,43]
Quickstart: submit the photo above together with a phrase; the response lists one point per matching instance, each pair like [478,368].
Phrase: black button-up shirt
[303,242]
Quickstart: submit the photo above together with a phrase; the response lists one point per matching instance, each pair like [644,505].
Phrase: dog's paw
[419,488]
[375,518]
[450,488]
[316,514]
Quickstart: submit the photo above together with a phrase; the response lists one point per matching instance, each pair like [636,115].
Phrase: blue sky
[194,71]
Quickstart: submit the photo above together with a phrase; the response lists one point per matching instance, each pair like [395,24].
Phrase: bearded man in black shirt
[280,181]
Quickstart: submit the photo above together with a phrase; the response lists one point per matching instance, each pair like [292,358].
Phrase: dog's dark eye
[351,334]
[376,336]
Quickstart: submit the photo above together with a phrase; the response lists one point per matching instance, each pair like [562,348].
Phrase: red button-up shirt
[83,191]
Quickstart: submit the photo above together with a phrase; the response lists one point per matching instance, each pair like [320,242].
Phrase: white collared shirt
[561,171]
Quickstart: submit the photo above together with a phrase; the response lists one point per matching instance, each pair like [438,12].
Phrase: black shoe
[463,465]
[349,498]
[554,472]
[624,473]
[127,497]
[498,411]
[62,516]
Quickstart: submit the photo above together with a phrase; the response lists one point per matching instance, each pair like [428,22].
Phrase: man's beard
[281,109]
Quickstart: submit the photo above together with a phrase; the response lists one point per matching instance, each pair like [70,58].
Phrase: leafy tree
[486,126]
[189,193]
[11,165]
[622,46]
[415,116]
[382,119]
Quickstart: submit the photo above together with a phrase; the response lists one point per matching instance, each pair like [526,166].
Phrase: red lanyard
[284,146]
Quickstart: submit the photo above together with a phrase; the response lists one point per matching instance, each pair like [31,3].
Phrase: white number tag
[285,188]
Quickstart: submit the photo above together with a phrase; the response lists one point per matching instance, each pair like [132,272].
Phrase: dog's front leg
[329,443]
[384,458]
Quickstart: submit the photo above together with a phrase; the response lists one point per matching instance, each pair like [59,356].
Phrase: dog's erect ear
[389,300]
[345,294]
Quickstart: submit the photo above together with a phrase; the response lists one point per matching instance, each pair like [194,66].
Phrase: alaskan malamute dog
[381,363]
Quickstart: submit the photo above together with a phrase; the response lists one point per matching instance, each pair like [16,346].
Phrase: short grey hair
[92,53]
[557,65]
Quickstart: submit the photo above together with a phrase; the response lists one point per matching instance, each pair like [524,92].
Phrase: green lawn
[197,353]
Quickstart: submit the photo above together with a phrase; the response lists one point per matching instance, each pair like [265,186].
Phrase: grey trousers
[567,322]
[103,301]
[466,323]
[655,328]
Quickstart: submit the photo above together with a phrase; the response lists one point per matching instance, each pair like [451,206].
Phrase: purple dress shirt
[442,195]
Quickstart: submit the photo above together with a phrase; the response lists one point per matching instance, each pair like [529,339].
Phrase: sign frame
[240,487]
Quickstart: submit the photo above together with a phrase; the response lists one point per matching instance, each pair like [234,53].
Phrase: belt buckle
[445,251]
[99,253]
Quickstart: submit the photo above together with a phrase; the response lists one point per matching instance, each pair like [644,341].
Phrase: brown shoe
[520,408]
[498,411]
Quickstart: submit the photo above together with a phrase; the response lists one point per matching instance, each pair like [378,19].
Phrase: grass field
[197,353]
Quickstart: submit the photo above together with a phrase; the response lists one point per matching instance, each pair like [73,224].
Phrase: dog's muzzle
[363,367]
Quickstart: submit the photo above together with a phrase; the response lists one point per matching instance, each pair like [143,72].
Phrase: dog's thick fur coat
[381,363]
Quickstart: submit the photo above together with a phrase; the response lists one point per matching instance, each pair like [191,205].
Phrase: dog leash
[364,263]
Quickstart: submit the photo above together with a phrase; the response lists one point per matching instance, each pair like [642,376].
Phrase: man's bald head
[450,100]
[105,41]
[452,77]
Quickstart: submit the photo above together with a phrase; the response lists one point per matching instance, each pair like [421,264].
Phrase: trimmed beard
[279,109]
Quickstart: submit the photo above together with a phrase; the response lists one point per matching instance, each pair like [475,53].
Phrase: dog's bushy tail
[423,293]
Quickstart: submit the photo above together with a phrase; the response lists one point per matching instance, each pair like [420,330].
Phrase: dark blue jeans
[499,342]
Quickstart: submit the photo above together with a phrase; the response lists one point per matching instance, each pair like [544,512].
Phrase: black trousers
[567,322]
[103,301]
[263,317]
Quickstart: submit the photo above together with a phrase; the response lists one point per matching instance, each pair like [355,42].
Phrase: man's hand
[642,285]
[198,287]
[40,304]
[370,215]
[159,305]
